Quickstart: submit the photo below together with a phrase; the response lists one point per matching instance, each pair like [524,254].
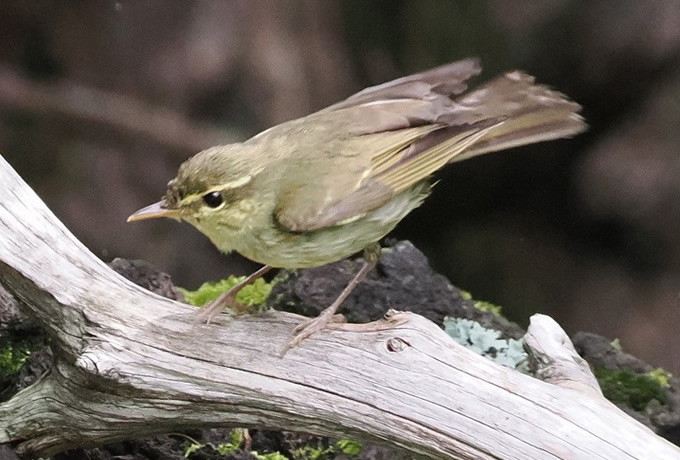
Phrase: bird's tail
[526,113]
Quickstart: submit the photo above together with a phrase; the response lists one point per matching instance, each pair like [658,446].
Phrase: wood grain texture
[128,364]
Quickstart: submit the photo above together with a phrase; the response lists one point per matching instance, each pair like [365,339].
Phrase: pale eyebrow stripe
[240,182]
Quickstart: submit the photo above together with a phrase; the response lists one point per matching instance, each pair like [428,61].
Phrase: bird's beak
[153,211]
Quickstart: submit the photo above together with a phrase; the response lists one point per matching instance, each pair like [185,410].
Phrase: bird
[321,188]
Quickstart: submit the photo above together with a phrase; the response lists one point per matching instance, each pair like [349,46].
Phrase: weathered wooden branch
[129,364]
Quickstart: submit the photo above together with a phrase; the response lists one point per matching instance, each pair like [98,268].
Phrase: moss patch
[488,306]
[661,376]
[630,389]
[12,357]
[254,294]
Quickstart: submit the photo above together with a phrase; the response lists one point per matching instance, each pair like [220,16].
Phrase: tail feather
[526,113]
[529,129]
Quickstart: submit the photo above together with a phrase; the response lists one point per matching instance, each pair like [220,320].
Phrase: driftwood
[129,364]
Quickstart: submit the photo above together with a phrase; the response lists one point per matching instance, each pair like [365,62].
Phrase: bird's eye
[213,199]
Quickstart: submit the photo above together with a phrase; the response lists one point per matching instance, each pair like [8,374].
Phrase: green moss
[226,448]
[253,294]
[313,453]
[465,295]
[481,304]
[12,357]
[661,376]
[192,447]
[233,444]
[630,389]
[271,456]
[488,306]
[321,451]
[349,447]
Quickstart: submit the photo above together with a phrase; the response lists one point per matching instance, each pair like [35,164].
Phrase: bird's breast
[264,241]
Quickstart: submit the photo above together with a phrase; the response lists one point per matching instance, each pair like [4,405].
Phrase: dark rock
[7,453]
[663,419]
[402,280]
[19,333]
[147,276]
[10,314]
[600,352]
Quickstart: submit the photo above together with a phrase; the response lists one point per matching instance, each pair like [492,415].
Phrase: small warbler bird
[320,188]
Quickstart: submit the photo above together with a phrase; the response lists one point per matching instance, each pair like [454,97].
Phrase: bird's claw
[310,327]
[226,301]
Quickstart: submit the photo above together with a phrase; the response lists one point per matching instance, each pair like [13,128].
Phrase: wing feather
[388,138]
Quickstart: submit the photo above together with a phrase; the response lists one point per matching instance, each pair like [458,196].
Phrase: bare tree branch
[129,364]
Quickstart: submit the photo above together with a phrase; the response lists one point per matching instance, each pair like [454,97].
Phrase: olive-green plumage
[323,187]
[320,188]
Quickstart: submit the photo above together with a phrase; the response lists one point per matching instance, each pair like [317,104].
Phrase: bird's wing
[447,80]
[387,138]
[344,192]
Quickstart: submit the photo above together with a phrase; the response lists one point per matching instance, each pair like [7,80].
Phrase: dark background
[100,101]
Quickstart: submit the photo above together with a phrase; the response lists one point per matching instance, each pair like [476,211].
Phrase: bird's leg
[228,299]
[247,440]
[314,325]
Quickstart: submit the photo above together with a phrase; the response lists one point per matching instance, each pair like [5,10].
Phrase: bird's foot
[312,326]
[227,300]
